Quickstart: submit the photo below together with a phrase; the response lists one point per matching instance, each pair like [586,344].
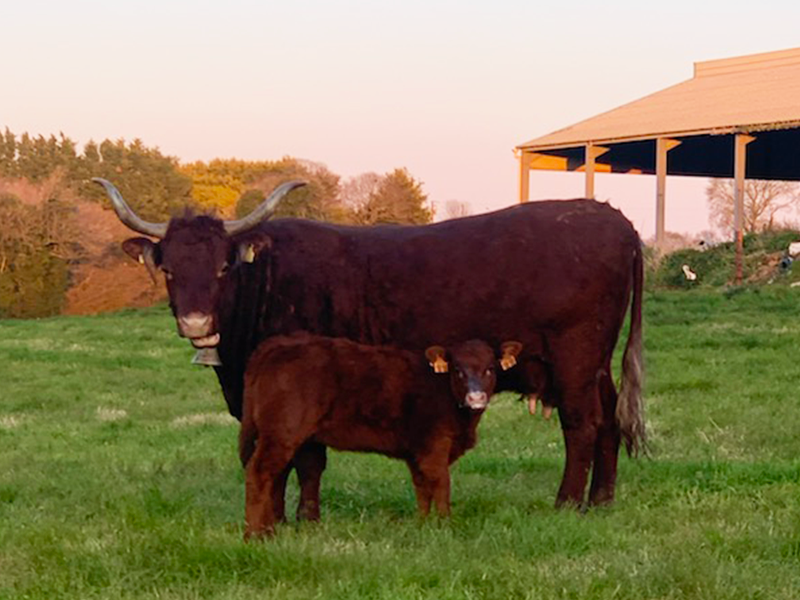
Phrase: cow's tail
[630,405]
[248,434]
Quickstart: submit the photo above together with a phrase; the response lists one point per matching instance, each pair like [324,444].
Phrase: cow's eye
[167,273]
[223,269]
[460,374]
[488,371]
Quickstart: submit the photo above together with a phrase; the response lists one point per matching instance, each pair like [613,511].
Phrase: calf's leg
[279,494]
[263,471]
[430,473]
[310,461]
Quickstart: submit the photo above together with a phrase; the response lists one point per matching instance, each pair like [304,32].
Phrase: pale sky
[443,88]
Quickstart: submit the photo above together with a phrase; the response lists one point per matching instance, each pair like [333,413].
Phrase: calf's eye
[223,269]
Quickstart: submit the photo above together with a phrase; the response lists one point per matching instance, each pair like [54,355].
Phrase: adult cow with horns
[558,276]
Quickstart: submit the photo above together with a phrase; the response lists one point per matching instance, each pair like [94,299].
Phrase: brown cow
[335,392]
[564,272]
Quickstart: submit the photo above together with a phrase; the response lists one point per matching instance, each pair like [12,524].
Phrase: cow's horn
[126,214]
[263,211]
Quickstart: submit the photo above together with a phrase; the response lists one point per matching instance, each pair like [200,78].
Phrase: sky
[445,89]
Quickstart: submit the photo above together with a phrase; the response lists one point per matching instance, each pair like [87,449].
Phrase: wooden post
[524,176]
[739,174]
[663,145]
[591,153]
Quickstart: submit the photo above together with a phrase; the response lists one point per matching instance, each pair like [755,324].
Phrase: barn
[735,118]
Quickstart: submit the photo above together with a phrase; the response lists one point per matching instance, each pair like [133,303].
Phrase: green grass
[715,267]
[119,478]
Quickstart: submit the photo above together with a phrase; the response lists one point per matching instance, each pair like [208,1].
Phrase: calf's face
[472,367]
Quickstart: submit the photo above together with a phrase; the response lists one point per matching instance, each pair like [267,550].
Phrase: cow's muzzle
[198,328]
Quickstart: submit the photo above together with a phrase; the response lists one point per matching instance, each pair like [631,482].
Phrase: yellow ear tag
[439,365]
[507,361]
[141,259]
[249,254]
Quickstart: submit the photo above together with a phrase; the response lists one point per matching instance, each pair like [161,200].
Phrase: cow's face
[197,255]
[472,367]
[197,259]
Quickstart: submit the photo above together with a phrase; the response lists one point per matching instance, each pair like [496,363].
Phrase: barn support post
[739,174]
[663,146]
[591,152]
[524,176]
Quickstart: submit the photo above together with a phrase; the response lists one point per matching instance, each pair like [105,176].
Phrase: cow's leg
[576,368]
[309,461]
[266,465]
[606,450]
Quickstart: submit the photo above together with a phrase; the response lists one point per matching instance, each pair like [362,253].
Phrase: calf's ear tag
[439,365]
[249,254]
[507,362]
[435,356]
[510,352]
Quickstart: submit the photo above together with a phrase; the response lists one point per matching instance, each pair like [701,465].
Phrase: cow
[349,396]
[564,272]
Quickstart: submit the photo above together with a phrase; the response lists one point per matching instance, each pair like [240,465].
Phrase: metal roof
[757,94]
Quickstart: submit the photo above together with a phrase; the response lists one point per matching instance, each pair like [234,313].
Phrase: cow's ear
[144,251]
[436,358]
[250,244]
[509,351]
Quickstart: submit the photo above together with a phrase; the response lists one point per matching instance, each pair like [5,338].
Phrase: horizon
[443,89]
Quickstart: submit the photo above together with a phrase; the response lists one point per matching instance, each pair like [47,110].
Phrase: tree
[454,209]
[398,199]
[38,239]
[147,179]
[318,200]
[763,200]
[356,192]
[8,154]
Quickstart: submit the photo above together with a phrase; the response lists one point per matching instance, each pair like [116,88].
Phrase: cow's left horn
[126,214]
[263,211]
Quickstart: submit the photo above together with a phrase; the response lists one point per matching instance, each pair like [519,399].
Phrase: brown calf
[304,389]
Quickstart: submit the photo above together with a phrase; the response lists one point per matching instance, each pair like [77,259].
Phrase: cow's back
[497,276]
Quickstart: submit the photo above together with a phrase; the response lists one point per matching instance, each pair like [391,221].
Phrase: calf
[305,389]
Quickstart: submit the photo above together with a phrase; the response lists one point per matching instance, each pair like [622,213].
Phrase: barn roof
[756,94]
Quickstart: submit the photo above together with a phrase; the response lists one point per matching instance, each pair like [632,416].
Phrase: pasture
[119,478]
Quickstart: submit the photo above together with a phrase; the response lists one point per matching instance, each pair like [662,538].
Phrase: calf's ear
[509,352]
[436,358]
[250,244]
[145,252]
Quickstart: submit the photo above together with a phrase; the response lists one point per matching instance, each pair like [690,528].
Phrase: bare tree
[763,200]
[454,209]
[356,191]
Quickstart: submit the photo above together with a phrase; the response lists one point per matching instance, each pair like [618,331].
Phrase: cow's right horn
[262,211]
[126,214]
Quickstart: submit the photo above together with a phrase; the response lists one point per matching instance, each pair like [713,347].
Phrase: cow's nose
[195,324]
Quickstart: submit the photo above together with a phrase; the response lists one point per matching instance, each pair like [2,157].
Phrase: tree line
[43,179]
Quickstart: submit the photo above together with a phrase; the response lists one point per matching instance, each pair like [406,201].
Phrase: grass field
[119,478]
